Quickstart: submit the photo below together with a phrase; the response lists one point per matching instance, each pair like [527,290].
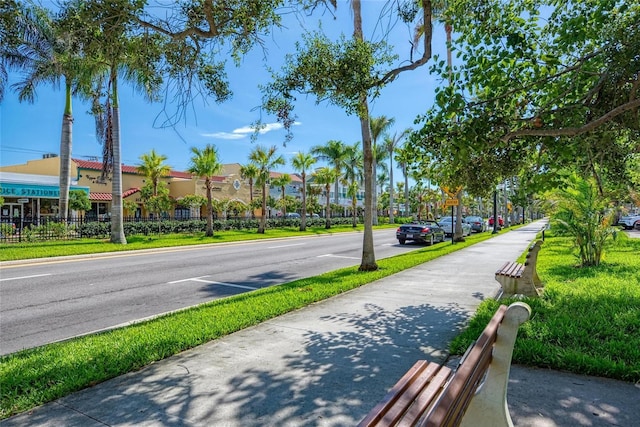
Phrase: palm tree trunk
[207,184]
[354,207]
[327,223]
[303,220]
[391,219]
[117,225]
[65,154]
[263,217]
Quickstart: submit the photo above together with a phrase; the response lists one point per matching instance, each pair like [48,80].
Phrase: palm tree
[265,159]
[353,175]
[282,181]
[154,168]
[333,152]
[249,172]
[326,176]
[205,164]
[391,143]
[379,125]
[53,53]
[302,162]
[403,158]
[135,57]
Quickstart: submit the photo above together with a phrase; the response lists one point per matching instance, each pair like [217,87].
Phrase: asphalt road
[47,301]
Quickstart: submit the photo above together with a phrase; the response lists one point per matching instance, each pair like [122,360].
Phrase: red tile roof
[87,164]
[294,177]
[106,197]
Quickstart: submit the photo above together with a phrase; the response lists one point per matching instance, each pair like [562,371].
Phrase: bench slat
[403,393]
[426,398]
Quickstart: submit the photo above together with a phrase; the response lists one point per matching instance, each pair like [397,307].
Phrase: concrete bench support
[521,279]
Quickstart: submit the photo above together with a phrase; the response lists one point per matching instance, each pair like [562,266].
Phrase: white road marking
[338,256]
[286,246]
[24,277]
[203,280]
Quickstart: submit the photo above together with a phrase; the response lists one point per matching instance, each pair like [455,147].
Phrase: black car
[422,232]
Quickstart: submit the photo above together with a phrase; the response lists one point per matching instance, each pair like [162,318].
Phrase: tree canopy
[539,85]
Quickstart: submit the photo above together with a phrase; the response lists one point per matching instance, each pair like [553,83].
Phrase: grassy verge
[20,251]
[32,377]
[588,319]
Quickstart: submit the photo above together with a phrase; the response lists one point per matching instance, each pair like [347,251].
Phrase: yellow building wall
[232,187]
[50,166]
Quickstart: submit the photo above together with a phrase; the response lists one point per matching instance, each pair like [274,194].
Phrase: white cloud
[223,135]
[242,132]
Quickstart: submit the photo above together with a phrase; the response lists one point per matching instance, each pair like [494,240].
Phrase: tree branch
[427,16]
[573,131]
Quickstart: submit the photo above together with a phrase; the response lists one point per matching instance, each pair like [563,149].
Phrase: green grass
[33,377]
[588,319]
[588,322]
[21,251]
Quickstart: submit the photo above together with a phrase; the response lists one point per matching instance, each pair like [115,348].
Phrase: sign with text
[450,202]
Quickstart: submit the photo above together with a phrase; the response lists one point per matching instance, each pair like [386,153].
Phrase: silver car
[445,223]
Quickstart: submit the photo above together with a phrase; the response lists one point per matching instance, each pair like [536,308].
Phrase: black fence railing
[17,230]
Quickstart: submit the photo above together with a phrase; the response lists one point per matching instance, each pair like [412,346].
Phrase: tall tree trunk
[406,189]
[207,184]
[368,255]
[354,213]
[327,223]
[117,225]
[65,154]
[253,213]
[374,187]
[391,219]
[303,220]
[263,216]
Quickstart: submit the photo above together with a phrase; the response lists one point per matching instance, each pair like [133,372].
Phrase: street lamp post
[495,212]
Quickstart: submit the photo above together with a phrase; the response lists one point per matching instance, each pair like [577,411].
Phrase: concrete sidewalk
[329,363]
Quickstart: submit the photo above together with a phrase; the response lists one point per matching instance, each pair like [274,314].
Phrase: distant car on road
[446,224]
[292,215]
[422,232]
[500,221]
[629,221]
[477,223]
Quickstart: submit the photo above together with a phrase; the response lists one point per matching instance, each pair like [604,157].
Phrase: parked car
[477,223]
[500,221]
[629,221]
[422,232]
[292,215]
[445,223]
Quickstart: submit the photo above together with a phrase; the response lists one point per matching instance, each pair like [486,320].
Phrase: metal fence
[18,230]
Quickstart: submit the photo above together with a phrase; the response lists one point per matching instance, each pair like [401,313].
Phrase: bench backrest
[454,400]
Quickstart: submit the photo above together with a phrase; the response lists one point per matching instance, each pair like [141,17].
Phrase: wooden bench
[521,279]
[430,394]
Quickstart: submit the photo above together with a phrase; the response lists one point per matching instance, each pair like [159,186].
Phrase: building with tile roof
[88,174]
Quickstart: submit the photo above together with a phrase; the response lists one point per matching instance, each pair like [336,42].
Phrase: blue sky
[27,131]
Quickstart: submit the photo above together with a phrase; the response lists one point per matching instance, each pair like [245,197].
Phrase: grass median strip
[32,377]
[588,319]
[31,250]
